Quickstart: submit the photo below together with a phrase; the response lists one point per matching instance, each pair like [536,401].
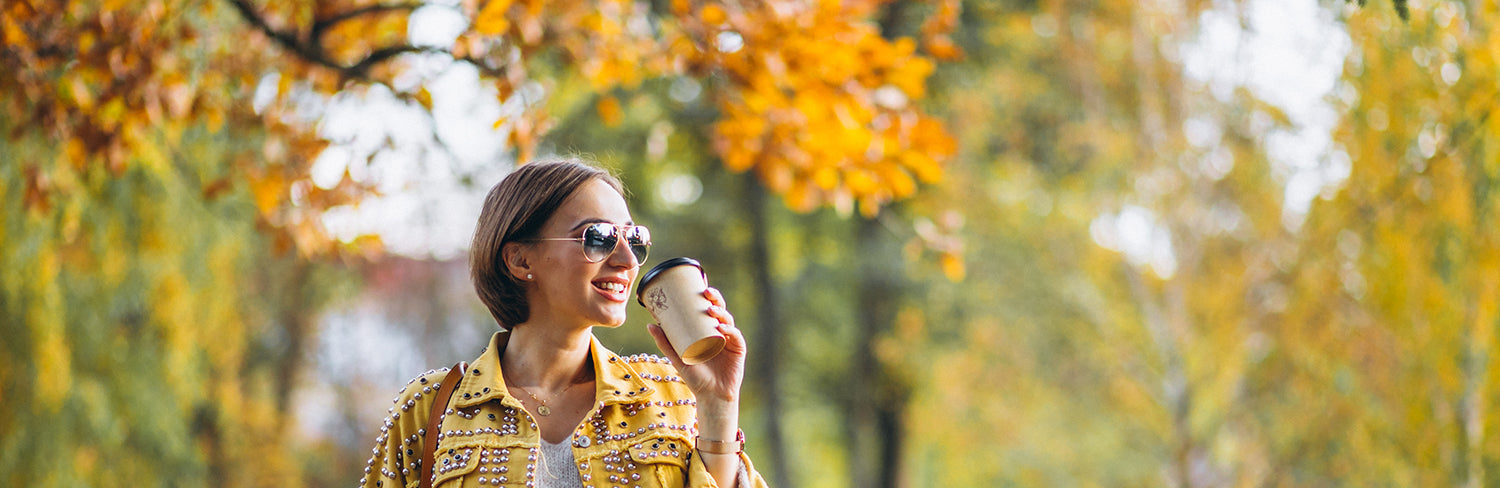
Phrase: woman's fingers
[714,297]
[734,339]
[716,307]
[722,315]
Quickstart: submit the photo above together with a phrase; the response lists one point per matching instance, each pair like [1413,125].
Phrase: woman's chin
[611,319]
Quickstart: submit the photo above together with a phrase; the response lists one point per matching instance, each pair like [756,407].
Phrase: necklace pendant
[543,410]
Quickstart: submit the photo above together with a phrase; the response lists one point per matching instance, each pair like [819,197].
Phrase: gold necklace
[542,408]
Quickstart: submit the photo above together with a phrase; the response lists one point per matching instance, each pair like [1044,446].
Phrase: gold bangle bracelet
[735,446]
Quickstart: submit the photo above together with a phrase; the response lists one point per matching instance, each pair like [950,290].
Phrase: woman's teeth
[612,287]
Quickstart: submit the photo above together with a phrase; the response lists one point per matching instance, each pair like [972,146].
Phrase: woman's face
[567,287]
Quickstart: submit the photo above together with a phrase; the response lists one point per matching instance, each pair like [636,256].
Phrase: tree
[119,85]
[140,318]
[809,96]
[1390,325]
[154,305]
[1055,348]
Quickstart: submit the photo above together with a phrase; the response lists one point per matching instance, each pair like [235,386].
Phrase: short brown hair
[515,210]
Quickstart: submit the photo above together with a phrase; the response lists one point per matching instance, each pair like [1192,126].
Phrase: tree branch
[484,69]
[381,55]
[287,40]
[309,49]
[321,25]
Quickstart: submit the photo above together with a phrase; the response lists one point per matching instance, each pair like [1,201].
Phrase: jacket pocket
[662,449]
[452,464]
[662,458]
[484,464]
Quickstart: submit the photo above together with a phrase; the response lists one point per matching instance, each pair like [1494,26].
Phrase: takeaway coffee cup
[673,293]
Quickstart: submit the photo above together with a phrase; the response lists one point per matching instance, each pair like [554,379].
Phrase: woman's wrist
[718,424]
[718,420]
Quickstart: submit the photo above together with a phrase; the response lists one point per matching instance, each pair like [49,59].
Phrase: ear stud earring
[528,276]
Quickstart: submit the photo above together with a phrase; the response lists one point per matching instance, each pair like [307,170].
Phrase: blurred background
[1178,243]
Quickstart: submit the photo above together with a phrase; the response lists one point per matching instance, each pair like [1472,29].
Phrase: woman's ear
[516,260]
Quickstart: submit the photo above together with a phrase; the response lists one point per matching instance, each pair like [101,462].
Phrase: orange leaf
[610,111]
[267,192]
[713,15]
[801,197]
[942,47]
[13,35]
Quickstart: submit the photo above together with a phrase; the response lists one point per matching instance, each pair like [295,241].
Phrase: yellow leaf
[860,182]
[74,151]
[911,77]
[925,167]
[79,89]
[953,267]
[151,155]
[424,97]
[1276,113]
[899,182]
[826,177]
[53,368]
[869,206]
[491,19]
[53,355]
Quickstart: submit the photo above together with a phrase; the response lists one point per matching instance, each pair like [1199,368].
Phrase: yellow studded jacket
[639,434]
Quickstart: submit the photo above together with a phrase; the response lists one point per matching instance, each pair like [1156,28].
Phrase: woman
[545,405]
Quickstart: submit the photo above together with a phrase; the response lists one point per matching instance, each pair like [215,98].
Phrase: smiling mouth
[610,286]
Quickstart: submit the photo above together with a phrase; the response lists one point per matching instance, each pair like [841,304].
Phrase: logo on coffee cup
[658,299]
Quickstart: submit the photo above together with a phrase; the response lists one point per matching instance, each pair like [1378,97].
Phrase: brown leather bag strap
[435,420]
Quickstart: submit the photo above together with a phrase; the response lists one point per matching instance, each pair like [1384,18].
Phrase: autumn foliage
[167,268]
[172,103]
[811,95]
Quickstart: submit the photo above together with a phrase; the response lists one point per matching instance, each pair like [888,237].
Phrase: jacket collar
[615,380]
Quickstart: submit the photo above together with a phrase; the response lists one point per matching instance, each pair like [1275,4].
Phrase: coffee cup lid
[659,268]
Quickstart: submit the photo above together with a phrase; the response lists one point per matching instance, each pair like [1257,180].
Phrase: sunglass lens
[640,242]
[599,241]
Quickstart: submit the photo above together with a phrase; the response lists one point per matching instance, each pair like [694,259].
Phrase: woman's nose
[623,244]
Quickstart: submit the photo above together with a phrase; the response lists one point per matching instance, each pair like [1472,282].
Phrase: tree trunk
[1176,392]
[1473,406]
[297,325]
[765,353]
[876,421]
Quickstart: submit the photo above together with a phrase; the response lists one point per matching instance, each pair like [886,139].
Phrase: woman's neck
[547,356]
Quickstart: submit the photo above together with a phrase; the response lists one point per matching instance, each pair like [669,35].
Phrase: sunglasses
[599,240]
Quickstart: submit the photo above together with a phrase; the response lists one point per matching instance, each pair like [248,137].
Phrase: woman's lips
[613,290]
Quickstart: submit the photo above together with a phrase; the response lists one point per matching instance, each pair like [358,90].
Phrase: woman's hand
[716,385]
[718,378]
